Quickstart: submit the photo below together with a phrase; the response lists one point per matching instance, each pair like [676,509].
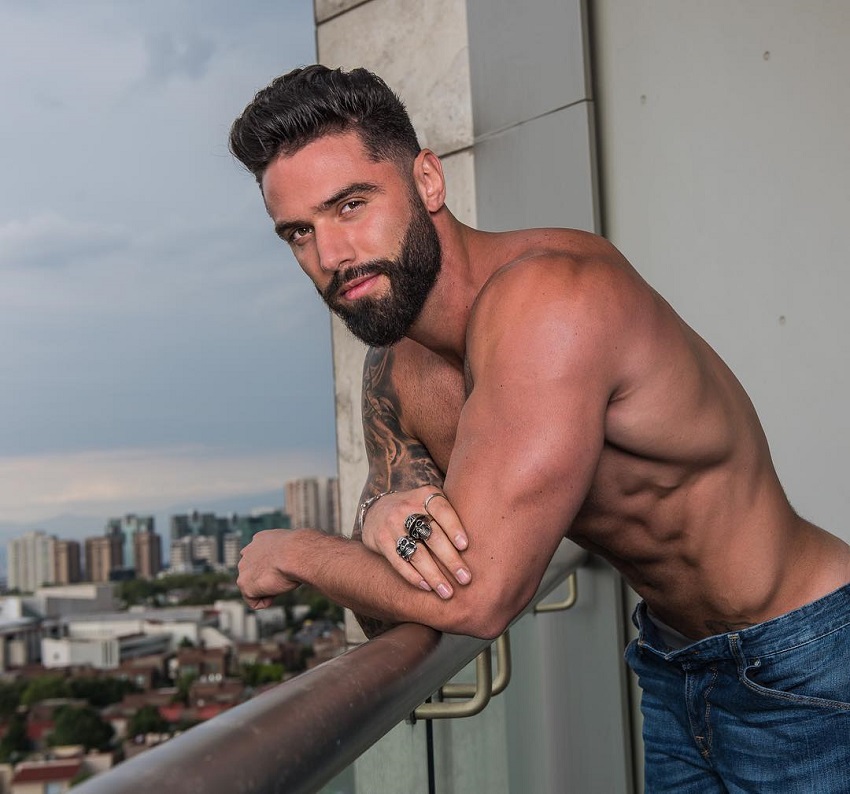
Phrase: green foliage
[184,684]
[15,743]
[320,606]
[100,692]
[147,720]
[198,589]
[10,696]
[83,726]
[259,674]
[45,687]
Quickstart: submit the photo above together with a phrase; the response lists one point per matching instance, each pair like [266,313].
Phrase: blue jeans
[763,709]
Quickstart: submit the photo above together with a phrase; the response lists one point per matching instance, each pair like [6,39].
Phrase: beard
[381,322]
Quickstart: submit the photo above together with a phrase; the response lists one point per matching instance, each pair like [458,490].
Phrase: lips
[350,290]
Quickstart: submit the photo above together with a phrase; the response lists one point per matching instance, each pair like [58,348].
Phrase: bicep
[523,464]
[528,444]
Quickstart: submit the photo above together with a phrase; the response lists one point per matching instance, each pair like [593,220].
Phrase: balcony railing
[299,735]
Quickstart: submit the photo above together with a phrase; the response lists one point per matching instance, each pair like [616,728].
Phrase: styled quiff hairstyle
[307,103]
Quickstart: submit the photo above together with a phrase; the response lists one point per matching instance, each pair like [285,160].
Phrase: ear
[429,180]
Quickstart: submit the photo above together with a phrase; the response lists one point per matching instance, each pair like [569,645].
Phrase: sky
[158,344]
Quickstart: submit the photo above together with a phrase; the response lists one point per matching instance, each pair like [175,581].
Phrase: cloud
[49,240]
[144,299]
[169,57]
[143,479]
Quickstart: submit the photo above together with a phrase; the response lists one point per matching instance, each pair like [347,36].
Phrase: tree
[259,674]
[100,692]
[83,726]
[147,720]
[15,742]
[10,696]
[184,684]
[44,687]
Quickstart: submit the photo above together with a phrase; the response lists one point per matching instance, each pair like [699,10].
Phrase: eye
[297,234]
[351,205]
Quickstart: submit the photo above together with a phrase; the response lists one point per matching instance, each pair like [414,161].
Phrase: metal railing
[299,735]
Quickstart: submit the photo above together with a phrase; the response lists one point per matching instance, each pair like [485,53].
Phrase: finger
[258,603]
[442,548]
[441,510]
[422,571]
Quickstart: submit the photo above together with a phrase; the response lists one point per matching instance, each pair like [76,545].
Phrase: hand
[260,579]
[384,525]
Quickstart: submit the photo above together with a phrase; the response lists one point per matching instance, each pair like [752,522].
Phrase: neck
[441,327]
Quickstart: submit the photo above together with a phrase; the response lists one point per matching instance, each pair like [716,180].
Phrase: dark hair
[307,103]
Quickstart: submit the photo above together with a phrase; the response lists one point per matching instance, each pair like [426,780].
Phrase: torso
[685,501]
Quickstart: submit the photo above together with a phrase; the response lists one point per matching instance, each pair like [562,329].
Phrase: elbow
[488,629]
[486,616]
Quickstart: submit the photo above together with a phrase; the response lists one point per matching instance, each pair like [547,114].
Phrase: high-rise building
[180,558]
[207,525]
[31,561]
[126,528]
[147,552]
[193,523]
[313,502]
[104,554]
[232,547]
[67,557]
[205,549]
[248,526]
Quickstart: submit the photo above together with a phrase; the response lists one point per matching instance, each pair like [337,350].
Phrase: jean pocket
[813,674]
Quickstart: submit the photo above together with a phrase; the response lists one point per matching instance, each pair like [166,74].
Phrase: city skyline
[307,501]
[163,349]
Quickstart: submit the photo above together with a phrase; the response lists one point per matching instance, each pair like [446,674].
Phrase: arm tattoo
[397,460]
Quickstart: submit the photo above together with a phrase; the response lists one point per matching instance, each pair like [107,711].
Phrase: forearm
[353,576]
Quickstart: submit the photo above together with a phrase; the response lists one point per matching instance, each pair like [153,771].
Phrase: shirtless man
[540,388]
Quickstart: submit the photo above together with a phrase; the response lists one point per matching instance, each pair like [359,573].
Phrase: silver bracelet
[361,514]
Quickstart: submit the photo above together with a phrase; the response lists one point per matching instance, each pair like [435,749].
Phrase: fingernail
[443,591]
[424,585]
[461,542]
[463,576]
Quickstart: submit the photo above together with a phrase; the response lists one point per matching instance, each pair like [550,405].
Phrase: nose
[334,248]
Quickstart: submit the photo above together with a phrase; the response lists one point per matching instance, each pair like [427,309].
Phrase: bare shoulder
[562,267]
[561,290]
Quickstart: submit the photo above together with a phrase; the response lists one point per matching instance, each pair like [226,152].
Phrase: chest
[431,407]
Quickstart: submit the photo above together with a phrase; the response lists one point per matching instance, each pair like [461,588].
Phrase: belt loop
[737,651]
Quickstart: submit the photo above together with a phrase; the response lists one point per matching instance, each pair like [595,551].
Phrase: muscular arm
[397,460]
[544,353]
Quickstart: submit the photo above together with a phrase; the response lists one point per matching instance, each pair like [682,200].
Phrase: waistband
[802,625]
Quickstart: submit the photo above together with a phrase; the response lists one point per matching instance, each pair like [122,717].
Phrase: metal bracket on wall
[483,691]
[569,601]
[500,680]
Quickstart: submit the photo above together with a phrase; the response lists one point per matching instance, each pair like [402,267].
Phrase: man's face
[359,230]
[384,320]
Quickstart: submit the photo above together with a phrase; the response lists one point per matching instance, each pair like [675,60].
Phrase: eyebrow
[282,227]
